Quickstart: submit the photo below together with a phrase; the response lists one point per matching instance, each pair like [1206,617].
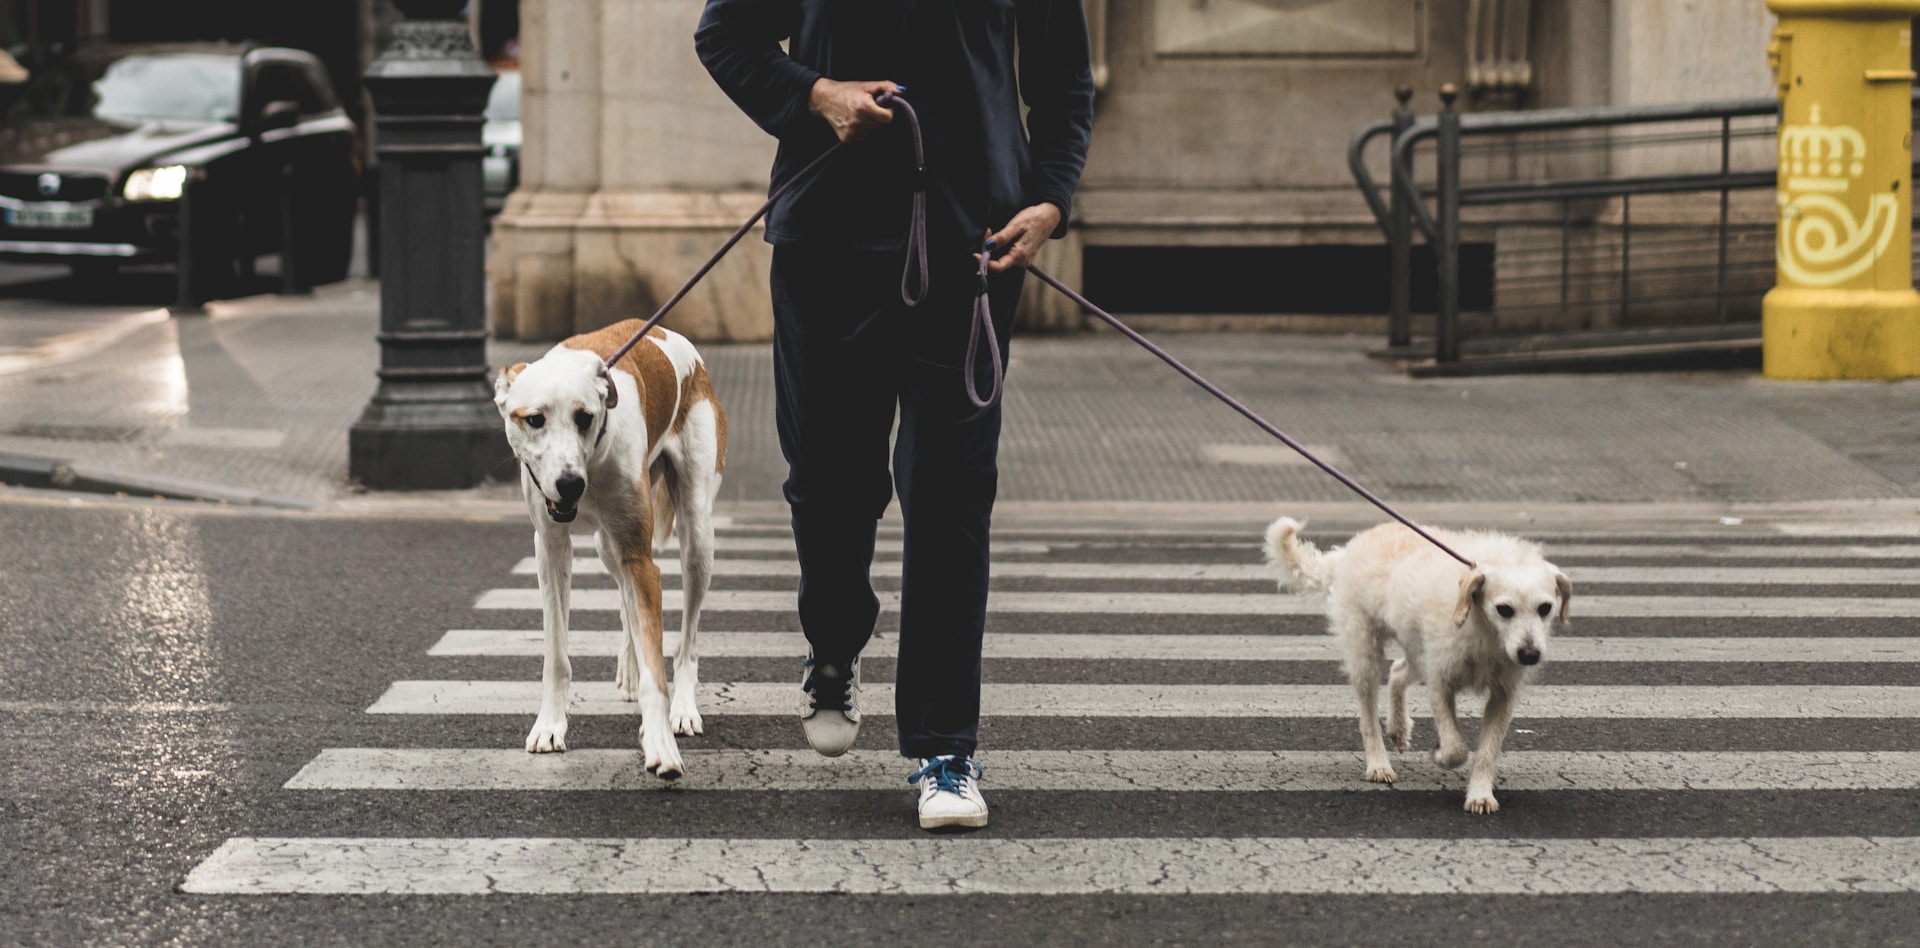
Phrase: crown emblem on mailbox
[1822,241]
[1818,157]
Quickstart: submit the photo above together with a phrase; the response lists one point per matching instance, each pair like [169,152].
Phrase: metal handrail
[1553,120]
[1405,207]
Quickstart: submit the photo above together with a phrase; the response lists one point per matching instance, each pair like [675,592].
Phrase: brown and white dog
[619,451]
[1476,630]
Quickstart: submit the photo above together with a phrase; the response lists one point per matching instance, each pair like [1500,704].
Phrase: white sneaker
[830,710]
[949,796]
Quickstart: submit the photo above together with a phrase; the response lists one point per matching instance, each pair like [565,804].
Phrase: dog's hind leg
[692,481]
[1364,658]
[553,549]
[1399,719]
[1452,751]
[1493,734]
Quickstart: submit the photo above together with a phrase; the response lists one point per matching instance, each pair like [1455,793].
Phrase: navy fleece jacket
[957,59]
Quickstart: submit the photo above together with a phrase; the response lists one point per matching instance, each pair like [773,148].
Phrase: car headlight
[156,184]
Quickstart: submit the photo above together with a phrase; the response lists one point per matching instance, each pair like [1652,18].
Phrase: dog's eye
[536,420]
[1546,609]
[583,419]
[1506,611]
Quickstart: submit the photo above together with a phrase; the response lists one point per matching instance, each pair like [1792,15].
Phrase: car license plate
[50,218]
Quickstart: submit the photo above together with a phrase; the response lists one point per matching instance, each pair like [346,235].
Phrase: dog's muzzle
[1528,655]
[562,512]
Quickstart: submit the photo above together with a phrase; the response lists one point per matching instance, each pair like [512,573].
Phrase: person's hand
[1023,236]
[849,106]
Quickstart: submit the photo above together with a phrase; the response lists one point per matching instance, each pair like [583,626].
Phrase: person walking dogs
[850,343]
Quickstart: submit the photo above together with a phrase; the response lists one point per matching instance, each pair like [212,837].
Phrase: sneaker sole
[831,750]
[953,822]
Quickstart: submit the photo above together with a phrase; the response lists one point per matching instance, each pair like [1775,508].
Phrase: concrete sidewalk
[251,403]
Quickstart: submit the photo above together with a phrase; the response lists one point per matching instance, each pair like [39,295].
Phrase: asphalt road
[176,678]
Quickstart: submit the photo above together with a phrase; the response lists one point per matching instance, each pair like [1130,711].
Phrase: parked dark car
[98,151]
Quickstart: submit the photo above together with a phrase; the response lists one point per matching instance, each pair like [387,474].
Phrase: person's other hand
[849,106]
[1023,236]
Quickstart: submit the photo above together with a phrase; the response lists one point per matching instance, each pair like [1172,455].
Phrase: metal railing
[1405,206]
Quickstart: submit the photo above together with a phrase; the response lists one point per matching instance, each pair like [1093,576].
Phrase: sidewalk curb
[92,479]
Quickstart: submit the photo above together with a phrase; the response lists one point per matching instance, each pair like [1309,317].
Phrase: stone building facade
[1220,123]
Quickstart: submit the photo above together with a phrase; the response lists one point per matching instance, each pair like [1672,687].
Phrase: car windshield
[503,103]
[141,87]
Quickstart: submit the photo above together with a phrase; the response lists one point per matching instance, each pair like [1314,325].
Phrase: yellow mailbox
[1843,305]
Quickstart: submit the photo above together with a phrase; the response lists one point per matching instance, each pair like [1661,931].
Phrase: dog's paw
[1400,736]
[685,716]
[626,678]
[1450,757]
[1482,803]
[1381,774]
[549,734]
[661,754]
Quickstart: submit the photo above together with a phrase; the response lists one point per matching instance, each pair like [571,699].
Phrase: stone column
[635,168]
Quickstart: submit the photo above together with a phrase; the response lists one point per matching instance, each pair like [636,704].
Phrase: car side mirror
[278,114]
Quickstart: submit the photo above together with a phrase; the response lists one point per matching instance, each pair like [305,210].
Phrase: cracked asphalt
[166,679]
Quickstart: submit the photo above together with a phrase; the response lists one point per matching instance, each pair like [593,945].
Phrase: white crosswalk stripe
[1107,771]
[1210,648]
[1254,572]
[1199,701]
[1243,604]
[387,866]
[1126,625]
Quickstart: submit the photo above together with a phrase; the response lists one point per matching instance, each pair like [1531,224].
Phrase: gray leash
[1236,405]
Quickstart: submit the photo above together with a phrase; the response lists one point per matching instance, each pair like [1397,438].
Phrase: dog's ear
[504,381]
[1565,587]
[1469,588]
[609,392]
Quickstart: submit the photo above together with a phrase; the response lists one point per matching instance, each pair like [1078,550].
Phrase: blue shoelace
[828,692]
[949,773]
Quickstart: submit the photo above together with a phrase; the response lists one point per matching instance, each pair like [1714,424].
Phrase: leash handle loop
[1249,413]
[983,326]
[914,273]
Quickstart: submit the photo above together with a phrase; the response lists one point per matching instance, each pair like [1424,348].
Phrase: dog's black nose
[570,486]
[1529,656]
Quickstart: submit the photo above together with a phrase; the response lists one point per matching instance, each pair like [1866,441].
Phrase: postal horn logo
[1822,240]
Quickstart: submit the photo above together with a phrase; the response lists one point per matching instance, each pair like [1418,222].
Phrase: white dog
[1480,629]
[620,450]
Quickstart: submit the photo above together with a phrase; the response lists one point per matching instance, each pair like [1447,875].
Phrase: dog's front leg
[1493,734]
[640,608]
[553,549]
[626,666]
[1399,719]
[1452,751]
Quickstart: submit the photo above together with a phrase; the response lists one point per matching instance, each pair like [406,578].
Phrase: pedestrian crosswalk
[1798,639]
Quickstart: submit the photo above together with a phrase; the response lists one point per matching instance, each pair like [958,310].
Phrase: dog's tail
[664,507]
[1301,564]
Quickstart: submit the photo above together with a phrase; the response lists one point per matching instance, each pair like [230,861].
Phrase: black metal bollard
[291,281]
[1446,330]
[432,423]
[188,284]
[1399,237]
